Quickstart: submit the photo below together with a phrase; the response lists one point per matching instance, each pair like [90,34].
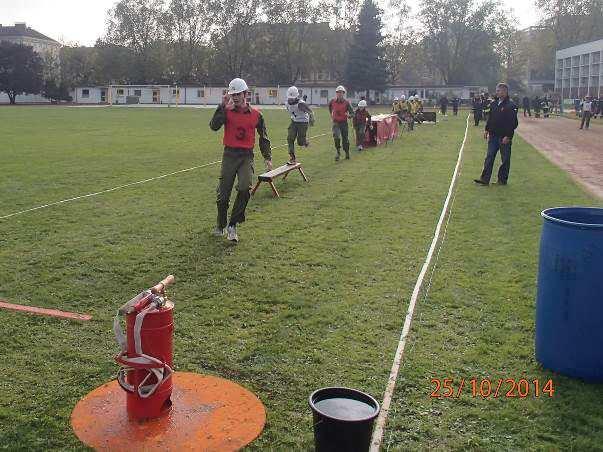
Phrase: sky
[83,21]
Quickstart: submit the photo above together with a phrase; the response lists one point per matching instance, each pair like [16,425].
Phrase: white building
[579,70]
[20,33]
[316,94]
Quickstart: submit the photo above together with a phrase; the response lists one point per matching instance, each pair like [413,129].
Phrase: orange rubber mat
[208,413]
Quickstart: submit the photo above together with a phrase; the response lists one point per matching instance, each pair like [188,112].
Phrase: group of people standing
[544,105]
[444,102]
[242,122]
[480,105]
[408,111]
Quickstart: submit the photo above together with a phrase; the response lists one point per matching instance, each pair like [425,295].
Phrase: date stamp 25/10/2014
[449,388]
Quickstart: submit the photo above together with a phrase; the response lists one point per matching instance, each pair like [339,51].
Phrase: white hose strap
[162,374]
[121,378]
[117,330]
[119,333]
[138,328]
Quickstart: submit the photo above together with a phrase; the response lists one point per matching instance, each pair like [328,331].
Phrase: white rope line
[144,181]
[393,375]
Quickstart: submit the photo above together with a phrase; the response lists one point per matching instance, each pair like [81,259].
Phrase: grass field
[315,293]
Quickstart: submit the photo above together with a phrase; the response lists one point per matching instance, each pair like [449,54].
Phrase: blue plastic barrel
[569,304]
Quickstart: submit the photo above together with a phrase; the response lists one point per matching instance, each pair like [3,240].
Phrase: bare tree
[187,24]
[137,25]
[232,35]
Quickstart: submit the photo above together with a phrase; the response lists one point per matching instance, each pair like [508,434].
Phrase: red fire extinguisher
[146,356]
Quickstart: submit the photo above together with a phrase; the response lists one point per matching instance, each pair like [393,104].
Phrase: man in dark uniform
[486,106]
[443,105]
[477,109]
[455,105]
[537,106]
[241,122]
[500,128]
[526,106]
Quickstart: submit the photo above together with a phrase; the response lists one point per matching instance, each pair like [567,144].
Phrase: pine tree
[366,68]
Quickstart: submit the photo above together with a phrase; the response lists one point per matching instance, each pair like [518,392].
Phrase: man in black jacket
[500,128]
[526,107]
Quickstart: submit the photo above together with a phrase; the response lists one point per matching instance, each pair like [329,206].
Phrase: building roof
[21,30]
[591,46]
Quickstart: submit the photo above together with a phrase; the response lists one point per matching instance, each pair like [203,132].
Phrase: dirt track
[579,152]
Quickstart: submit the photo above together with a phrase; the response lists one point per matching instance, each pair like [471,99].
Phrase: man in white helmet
[361,121]
[341,111]
[403,110]
[241,122]
[301,117]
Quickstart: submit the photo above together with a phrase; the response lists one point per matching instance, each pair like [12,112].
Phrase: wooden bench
[276,173]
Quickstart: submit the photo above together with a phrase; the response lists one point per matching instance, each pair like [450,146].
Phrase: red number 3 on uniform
[241,133]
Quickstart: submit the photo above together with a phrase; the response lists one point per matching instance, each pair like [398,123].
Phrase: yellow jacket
[414,106]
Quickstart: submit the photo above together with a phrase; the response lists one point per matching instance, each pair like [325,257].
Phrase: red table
[385,128]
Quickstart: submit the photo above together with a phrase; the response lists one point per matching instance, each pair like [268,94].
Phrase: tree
[459,39]
[572,21]
[366,67]
[21,70]
[56,92]
[80,66]
[139,26]
[284,46]
[187,23]
[405,58]
[233,36]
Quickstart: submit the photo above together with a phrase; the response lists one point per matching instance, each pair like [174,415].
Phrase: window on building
[85,93]
[120,92]
[200,93]
[272,92]
[176,92]
[138,92]
[324,93]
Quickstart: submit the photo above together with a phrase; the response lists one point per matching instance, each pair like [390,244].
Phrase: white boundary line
[393,375]
[89,195]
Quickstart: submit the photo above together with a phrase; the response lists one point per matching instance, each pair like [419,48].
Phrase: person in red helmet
[241,123]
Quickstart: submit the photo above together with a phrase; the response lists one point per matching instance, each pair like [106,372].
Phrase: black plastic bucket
[343,419]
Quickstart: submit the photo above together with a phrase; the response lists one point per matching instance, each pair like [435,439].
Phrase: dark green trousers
[235,163]
[340,134]
[296,130]
[360,134]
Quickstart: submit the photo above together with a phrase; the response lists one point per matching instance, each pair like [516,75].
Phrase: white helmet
[362,103]
[340,88]
[292,93]
[237,85]
[395,99]
[403,97]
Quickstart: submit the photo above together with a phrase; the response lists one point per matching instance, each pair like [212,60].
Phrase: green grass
[315,293]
